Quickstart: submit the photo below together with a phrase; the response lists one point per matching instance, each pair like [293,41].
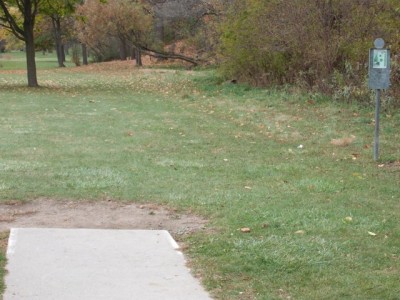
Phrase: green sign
[379,60]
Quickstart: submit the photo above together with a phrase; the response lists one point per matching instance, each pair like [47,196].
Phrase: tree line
[319,45]
[108,28]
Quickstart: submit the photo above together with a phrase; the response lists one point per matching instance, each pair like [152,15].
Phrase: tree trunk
[159,29]
[123,53]
[30,52]
[63,53]
[57,37]
[84,55]
[138,57]
[31,64]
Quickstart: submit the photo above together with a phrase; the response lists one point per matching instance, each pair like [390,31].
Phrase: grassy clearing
[16,60]
[324,219]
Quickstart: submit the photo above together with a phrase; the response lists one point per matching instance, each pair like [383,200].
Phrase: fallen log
[169,55]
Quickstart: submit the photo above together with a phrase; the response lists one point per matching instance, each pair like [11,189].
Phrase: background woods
[317,45]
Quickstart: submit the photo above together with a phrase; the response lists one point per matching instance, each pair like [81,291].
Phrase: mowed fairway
[323,219]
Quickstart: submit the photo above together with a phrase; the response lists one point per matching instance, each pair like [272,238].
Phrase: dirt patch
[393,165]
[49,213]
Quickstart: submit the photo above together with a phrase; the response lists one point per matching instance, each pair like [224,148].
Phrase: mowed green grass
[323,219]
[16,60]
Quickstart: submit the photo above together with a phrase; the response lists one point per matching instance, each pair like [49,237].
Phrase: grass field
[16,60]
[324,218]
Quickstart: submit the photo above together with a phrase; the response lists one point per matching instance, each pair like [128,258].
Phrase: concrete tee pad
[85,264]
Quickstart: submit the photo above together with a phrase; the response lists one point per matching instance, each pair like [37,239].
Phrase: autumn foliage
[318,45]
[114,28]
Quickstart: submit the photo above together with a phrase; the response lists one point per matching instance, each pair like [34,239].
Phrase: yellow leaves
[128,19]
[359,176]
[348,219]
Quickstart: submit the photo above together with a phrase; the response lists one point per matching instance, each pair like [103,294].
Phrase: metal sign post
[377,112]
[378,79]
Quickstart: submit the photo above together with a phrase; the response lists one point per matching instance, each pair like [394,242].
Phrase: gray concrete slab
[85,264]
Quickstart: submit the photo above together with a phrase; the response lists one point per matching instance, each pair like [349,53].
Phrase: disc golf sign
[378,79]
[379,66]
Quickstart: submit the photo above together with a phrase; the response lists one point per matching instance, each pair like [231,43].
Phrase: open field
[297,207]
[16,60]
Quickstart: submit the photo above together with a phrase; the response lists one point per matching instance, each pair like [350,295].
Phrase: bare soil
[51,213]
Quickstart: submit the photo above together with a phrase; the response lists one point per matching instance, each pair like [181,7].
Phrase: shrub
[319,45]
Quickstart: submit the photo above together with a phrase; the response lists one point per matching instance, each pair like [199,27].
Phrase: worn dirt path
[49,213]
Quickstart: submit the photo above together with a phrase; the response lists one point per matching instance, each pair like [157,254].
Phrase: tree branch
[12,24]
[169,55]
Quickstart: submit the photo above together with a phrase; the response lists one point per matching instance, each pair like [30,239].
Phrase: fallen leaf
[245,230]
[348,219]
[358,175]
